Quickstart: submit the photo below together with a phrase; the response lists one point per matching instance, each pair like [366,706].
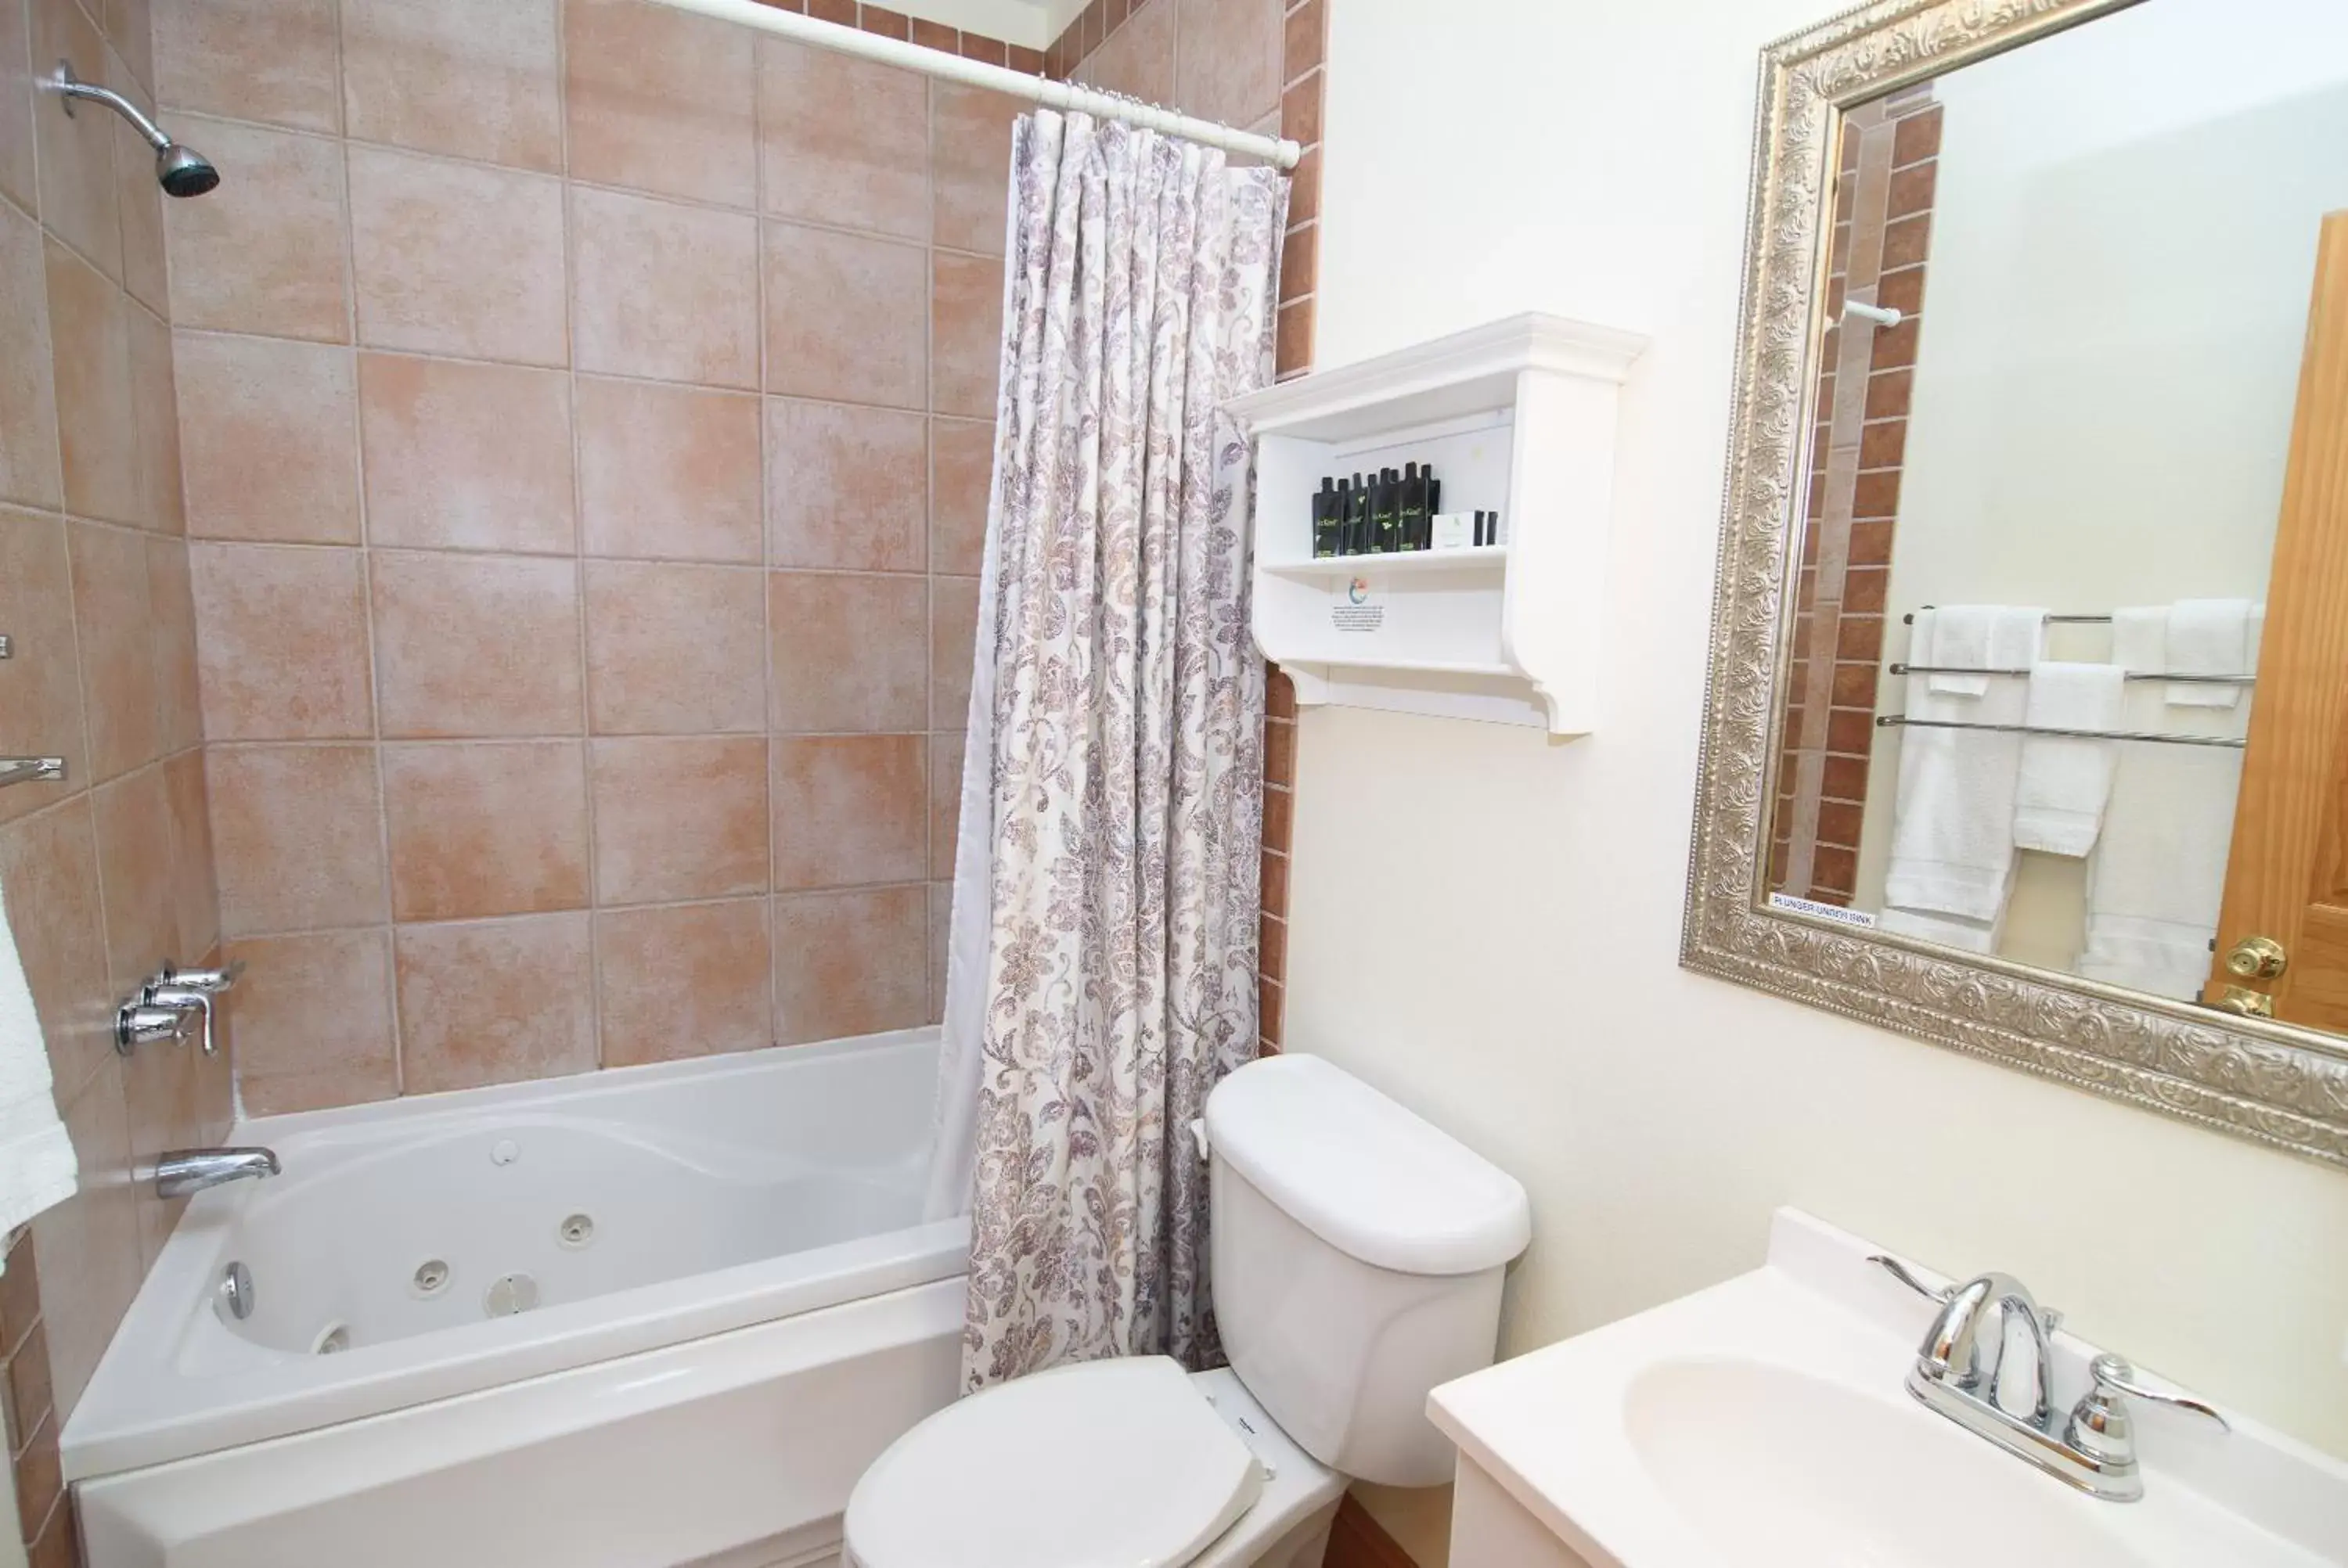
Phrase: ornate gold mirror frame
[2273,1082]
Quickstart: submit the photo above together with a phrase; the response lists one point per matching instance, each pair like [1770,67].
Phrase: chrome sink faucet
[185,1171]
[1975,1385]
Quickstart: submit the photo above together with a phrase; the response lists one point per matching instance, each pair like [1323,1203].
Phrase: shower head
[184,172]
[181,171]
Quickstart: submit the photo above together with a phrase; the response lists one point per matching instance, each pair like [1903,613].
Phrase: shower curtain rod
[847,40]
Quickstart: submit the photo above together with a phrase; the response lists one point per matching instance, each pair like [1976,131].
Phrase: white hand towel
[1946,930]
[37,1159]
[2058,801]
[2158,871]
[1963,637]
[1952,818]
[2208,637]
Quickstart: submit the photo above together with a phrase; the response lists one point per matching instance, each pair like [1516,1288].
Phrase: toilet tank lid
[1363,1174]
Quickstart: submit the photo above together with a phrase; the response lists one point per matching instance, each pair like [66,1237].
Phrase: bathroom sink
[1758,1457]
[1765,1423]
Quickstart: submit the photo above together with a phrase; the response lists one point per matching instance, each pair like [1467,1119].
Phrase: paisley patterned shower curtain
[1103,955]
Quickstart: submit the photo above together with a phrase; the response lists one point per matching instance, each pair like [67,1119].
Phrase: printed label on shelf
[1835,912]
[1356,608]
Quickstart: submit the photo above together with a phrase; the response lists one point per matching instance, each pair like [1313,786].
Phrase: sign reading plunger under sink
[1841,1409]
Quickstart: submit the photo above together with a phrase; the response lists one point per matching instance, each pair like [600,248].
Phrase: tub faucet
[185,1171]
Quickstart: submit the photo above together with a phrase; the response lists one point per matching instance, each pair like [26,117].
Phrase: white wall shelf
[1517,417]
[1418,563]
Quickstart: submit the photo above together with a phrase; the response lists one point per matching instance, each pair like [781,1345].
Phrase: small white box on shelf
[1515,417]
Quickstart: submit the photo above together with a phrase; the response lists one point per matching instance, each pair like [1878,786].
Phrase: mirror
[2070,290]
[2026,718]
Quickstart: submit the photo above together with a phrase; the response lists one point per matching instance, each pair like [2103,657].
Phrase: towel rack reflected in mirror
[1910,619]
[2024,675]
[1900,721]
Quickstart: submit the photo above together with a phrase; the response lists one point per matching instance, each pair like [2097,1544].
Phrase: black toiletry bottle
[1413,507]
[1325,518]
[1434,504]
[1480,527]
[1357,521]
[1386,513]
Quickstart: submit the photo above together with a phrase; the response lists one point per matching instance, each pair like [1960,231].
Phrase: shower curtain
[1102,951]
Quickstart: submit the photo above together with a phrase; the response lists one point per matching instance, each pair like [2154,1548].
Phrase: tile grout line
[771,923]
[578,527]
[390,925]
[931,1000]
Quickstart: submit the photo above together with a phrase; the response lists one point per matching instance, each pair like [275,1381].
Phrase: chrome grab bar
[32,770]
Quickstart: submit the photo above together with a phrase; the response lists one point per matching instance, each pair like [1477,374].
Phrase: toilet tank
[1357,1255]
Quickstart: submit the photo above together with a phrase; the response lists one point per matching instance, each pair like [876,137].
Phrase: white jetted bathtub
[630,1319]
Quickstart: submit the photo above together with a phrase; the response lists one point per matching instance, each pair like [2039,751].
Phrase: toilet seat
[1116,1462]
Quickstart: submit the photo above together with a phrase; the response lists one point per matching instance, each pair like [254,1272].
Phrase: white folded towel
[1974,636]
[2158,871]
[2058,801]
[1952,818]
[2210,637]
[1946,930]
[37,1159]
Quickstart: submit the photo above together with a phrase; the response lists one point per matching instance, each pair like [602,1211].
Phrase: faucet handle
[2114,1375]
[213,981]
[135,1023]
[2100,1426]
[1900,1272]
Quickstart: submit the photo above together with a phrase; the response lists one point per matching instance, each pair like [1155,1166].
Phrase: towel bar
[31,770]
[2024,675]
[1900,721]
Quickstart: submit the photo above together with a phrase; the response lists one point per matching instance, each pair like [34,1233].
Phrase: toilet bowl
[1357,1255]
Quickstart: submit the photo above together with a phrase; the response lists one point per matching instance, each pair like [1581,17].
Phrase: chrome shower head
[181,171]
[184,172]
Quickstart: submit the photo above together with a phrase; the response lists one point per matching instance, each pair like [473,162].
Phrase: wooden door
[2287,876]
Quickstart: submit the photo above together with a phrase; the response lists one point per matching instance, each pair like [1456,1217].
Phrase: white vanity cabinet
[1489,1529]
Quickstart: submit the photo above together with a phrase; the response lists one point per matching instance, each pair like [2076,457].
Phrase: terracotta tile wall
[587,409]
[1258,64]
[1883,215]
[109,872]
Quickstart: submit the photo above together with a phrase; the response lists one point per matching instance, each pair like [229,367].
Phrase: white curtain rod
[930,62]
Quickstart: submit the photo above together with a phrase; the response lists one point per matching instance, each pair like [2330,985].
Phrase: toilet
[1356,1263]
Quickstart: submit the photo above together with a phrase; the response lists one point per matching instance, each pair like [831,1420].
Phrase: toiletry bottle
[1434,499]
[1413,507]
[1385,512]
[1480,527]
[1325,518]
[1357,520]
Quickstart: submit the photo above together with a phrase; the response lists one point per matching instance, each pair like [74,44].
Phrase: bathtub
[633,1319]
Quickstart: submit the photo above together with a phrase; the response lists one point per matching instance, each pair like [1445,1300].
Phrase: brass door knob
[2256,958]
[2246,1001]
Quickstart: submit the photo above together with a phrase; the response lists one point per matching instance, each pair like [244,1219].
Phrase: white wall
[1486,923]
[2115,308]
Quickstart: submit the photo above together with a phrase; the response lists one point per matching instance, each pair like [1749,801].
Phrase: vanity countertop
[1764,1421]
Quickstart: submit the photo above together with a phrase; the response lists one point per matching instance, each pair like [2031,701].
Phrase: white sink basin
[1761,1457]
[1764,1423]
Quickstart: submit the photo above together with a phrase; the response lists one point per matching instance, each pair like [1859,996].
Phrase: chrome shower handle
[210,981]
